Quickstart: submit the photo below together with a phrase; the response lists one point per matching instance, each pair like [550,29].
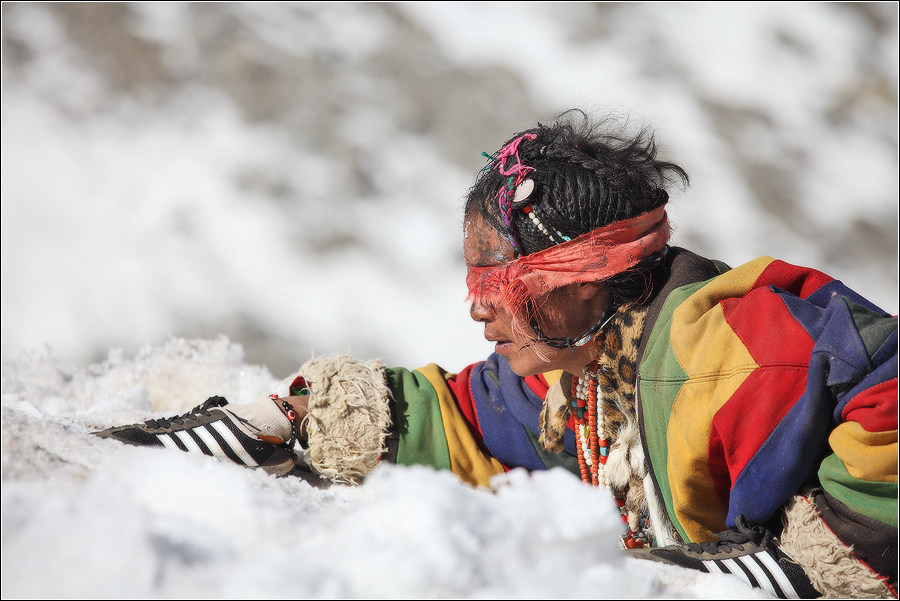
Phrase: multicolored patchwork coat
[753,385]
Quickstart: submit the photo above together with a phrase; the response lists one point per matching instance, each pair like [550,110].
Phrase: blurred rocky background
[290,175]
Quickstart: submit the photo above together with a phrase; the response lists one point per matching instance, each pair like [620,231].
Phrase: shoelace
[729,539]
[201,409]
[716,546]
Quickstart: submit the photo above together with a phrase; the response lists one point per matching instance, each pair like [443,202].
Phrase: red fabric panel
[298,383]
[799,281]
[459,385]
[752,413]
[875,409]
[538,385]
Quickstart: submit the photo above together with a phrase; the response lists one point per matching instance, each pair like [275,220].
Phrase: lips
[494,337]
[503,345]
[503,348]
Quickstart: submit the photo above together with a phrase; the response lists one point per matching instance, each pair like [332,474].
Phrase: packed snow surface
[85,517]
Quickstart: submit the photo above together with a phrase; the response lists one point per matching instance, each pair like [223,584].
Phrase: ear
[588,291]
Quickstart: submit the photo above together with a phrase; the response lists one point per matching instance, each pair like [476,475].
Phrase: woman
[721,407]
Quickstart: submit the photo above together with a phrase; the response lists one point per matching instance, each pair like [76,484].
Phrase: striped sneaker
[209,429]
[751,554]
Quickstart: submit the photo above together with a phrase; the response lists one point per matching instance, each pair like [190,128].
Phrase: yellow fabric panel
[553,377]
[866,455]
[715,372]
[687,326]
[467,459]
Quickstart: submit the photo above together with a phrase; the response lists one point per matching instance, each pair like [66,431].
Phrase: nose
[482,312]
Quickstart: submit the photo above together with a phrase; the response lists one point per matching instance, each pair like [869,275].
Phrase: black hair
[586,175]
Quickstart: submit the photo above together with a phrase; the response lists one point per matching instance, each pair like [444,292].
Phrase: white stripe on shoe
[735,569]
[167,441]
[189,442]
[759,572]
[765,571]
[234,443]
[778,574]
[211,442]
[231,441]
[714,568]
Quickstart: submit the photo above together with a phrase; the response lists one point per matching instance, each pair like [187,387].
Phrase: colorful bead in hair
[532,214]
[523,191]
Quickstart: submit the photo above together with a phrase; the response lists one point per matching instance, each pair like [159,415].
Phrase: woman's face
[564,313]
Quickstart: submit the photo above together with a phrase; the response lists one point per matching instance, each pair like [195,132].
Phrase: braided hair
[586,175]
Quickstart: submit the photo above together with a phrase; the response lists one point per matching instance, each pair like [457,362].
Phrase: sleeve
[476,423]
[861,470]
[764,379]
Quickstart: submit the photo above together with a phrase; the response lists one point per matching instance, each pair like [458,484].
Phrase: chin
[529,365]
[540,359]
[526,371]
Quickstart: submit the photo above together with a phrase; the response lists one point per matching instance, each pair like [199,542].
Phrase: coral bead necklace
[592,444]
[593,451]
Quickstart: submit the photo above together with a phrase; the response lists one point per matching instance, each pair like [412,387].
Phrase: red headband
[591,257]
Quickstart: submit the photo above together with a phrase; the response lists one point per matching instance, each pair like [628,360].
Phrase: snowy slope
[91,518]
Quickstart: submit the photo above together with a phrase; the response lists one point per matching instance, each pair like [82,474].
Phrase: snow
[162,243]
[85,517]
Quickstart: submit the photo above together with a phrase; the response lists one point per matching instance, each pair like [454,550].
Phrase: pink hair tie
[516,172]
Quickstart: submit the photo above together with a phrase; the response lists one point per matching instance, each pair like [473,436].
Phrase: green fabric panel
[551,460]
[873,328]
[417,416]
[876,500]
[661,377]
[722,267]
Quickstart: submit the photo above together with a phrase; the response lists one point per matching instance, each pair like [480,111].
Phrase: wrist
[296,409]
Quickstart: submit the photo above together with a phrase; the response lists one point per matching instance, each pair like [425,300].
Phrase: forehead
[484,246]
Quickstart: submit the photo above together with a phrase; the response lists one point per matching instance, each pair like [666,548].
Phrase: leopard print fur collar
[616,350]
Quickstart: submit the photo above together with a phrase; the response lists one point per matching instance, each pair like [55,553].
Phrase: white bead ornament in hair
[523,191]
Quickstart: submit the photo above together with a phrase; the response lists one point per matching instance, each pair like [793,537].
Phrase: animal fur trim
[616,349]
[555,415]
[664,532]
[830,565]
[349,416]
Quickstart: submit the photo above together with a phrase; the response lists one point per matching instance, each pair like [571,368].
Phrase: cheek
[563,316]
[506,323]
[554,319]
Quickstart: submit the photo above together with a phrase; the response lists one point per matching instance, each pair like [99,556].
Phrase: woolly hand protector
[349,416]
[830,565]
